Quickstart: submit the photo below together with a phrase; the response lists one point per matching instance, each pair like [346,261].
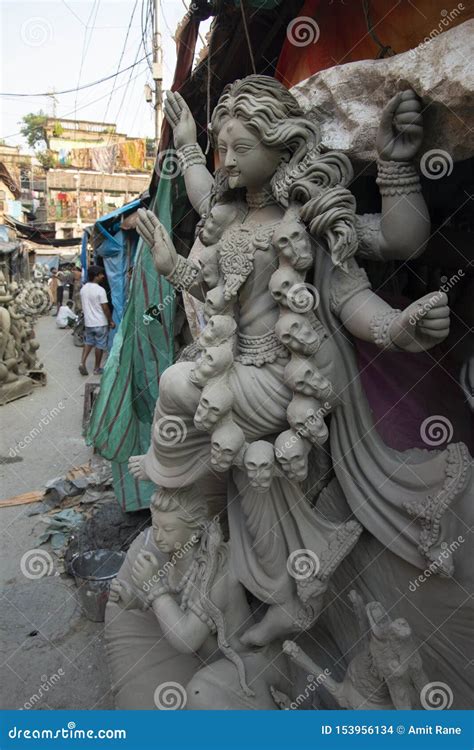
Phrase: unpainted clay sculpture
[387,673]
[278,349]
[199,604]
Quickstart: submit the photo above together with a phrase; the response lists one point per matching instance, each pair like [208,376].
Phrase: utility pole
[157,71]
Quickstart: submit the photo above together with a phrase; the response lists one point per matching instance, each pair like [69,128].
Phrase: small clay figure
[259,463]
[291,452]
[226,443]
[214,361]
[214,404]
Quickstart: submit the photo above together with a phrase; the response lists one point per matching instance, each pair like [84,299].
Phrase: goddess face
[170,532]
[302,376]
[246,160]
[292,454]
[259,462]
[215,403]
[296,332]
[293,243]
[226,442]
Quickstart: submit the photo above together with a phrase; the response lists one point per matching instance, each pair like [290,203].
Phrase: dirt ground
[52,657]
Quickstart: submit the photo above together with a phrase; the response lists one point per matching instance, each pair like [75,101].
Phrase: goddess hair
[189,506]
[306,175]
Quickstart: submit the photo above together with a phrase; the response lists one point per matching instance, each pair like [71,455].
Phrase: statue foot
[136,468]
[277,623]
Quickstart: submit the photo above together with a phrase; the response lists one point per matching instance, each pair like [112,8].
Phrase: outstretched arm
[197,178]
[179,271]
[419,327]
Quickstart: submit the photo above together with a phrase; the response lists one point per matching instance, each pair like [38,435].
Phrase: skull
[215,303]
[303,376]
[215,403]
[220,216]
[281,281]
[209,263]
[259,462]
[296,332]
[292,454]
[306,417]
[214,361]
[226,442]
[219,328]
[293,243]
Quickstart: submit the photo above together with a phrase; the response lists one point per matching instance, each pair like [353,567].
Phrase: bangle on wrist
[397,178]
[158,590]
[189,155]
[380,326]
[183,275]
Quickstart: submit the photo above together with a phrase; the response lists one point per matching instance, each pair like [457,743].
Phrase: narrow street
[52,655]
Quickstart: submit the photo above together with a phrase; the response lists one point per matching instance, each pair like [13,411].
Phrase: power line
[81,88]
[84,106]
[86,43]
[121,57]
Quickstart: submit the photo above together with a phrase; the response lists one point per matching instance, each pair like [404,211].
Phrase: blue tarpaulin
[117,253]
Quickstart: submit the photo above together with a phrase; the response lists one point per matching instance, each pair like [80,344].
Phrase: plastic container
[93,571]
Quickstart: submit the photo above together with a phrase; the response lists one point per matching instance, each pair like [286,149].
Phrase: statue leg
[177,446]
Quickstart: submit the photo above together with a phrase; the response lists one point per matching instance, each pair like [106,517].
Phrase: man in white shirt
[65,315]
[97,319]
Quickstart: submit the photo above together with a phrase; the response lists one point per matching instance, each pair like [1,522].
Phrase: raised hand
[423,324]
[401,128]
[144,570]
[156,237]
[180,118]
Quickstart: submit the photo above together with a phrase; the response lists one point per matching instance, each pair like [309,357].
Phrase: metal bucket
[93,572]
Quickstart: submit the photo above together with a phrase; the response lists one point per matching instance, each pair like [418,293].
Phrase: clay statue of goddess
[289,248]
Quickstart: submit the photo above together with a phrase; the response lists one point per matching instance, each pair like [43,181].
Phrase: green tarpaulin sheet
[121,419]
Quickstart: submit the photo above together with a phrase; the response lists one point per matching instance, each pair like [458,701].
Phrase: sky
[60,44]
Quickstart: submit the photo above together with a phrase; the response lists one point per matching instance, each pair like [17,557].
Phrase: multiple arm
[197,178]
[404,226]
[419,327]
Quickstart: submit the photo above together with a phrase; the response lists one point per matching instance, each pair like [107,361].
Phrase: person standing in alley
[97,319]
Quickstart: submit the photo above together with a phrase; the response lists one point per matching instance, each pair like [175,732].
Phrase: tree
[34,129]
